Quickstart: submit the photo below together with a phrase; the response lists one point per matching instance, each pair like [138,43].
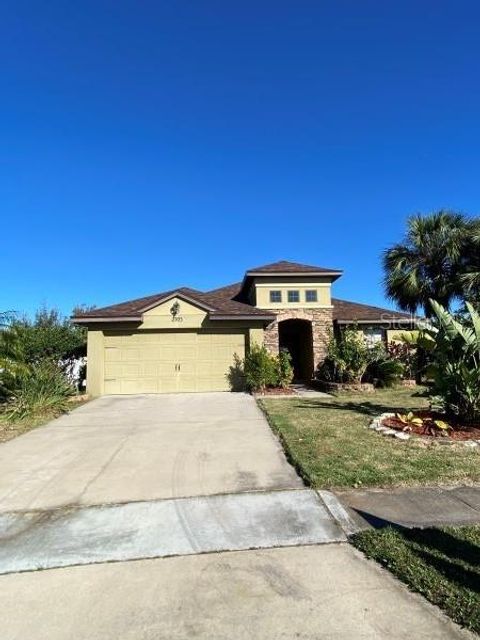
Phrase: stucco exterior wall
[322,326]
[95,362]
[263,287]
[160,317]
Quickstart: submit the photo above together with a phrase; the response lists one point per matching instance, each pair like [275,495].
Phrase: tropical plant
[348,357]
[406,350]
[43,390]
[385,371]
[455,349]
[430,262]
[430,426]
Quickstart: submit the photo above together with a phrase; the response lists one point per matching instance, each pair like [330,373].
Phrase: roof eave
[91,319]
[379,321]
[246,316]
[266,274]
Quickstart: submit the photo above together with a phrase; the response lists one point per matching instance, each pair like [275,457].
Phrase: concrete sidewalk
[328,592]
[417,507]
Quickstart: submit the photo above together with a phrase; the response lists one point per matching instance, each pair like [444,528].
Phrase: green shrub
[284,369]
[454,346]
[385,372]
[260,369]
[43,390]
[348,357]
[47,336]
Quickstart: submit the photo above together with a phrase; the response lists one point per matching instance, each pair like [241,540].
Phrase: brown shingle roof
[343,310]
[228,301]
[217,305]
[284,266]
[346,311]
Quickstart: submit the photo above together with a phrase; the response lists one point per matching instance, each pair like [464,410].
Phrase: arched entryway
[296,336]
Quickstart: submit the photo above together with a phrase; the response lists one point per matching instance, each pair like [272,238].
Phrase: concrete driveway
[119,449]
[190,476]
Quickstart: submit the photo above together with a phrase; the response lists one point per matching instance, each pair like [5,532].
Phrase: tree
[431,262]
[470,276]
[48,336]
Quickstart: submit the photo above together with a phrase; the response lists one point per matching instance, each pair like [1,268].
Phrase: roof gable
[217,305]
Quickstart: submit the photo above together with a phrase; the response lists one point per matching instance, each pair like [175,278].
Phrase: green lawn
[328,443]
[441,564]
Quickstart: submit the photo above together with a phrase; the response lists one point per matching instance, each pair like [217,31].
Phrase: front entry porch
[296,337]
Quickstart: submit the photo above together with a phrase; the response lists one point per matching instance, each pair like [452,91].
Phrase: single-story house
[187,340]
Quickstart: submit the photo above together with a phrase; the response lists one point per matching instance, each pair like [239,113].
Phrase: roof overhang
[93,319]
[295,274]
[249,275]
[139,317]
[380,321]
[220,316]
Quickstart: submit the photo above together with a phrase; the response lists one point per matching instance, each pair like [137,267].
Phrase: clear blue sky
[151,144]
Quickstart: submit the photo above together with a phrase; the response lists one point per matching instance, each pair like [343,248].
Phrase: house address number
[175,312]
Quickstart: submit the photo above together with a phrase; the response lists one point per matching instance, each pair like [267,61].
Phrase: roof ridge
[294,267]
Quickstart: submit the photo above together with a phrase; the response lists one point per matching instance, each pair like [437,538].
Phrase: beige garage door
[170,361]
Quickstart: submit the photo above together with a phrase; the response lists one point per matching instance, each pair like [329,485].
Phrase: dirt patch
[277,391]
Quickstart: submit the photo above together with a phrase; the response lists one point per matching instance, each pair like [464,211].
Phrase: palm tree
[428,263]
[470,277]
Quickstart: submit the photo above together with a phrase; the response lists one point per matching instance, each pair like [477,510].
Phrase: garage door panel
[112,354]
[113,370]
[169,361]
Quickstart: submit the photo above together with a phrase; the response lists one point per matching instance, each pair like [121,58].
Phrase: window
[311,295]
[373,335]
[275,296]
[294,296]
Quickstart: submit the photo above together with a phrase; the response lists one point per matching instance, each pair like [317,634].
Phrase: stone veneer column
[322,325]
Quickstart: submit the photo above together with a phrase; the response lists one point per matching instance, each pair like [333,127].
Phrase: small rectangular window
[294,296]
[311,295]
[275,296]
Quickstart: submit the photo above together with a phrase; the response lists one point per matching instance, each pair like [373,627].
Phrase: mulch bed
[459,432]
[277,391]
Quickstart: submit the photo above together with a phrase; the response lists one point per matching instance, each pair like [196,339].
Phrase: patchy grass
[10,430]
[328,443]
[441,564]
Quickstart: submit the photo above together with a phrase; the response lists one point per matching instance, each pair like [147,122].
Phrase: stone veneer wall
[322,325]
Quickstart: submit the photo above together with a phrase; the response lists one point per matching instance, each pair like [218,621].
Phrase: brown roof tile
[217,304]
[346,311]
[284,266]
[228,301]
[343,310]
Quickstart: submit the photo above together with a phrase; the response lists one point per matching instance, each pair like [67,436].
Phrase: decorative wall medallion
[175,311]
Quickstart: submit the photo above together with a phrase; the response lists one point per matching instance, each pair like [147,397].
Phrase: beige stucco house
[186,340]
